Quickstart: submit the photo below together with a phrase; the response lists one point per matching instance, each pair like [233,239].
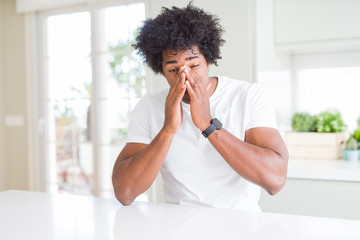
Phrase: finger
[180,88]
[190,89]
[181,83]
[177,83]
[173,82]
[189,77]
[195,80]
[173,86]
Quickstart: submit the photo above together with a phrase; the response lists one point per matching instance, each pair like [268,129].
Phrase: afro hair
[179,29]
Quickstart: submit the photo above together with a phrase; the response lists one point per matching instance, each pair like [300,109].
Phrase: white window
[316,82]
[93,79]
[328,81]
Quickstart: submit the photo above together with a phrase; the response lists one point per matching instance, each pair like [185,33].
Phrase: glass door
[93,79]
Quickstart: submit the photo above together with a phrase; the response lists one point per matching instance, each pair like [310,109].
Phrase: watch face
[216,123]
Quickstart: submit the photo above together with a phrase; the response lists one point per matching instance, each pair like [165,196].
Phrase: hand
[173,109]
[198,91]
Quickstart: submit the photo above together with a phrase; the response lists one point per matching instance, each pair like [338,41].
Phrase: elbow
[122,193]
[124,197]
[276,186]
[277,181]
[124,201]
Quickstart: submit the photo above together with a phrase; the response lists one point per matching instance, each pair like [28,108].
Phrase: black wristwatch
[215,125]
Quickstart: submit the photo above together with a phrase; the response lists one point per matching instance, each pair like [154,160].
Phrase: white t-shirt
[194,173]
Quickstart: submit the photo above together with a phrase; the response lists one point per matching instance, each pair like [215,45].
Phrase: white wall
[2,160]
[273,69]
[14,96]
[237,52]
[268,59]
[303,21]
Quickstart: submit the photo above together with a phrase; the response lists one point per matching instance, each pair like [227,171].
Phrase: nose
[184,68]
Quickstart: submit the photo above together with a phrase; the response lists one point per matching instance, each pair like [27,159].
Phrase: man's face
[193,59]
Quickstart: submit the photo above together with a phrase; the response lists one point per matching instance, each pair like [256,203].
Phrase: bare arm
[138,164]
[137,167]
[261,159]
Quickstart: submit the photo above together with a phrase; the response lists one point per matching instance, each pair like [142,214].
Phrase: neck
[213,84]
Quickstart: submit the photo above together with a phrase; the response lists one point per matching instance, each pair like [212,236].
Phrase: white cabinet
[336,199]
[319,23]
[323,188]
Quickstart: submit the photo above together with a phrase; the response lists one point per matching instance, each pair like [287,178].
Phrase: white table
[32,215]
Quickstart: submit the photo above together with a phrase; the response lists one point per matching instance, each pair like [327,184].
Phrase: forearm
[134,175]
[260,165]
[136,168]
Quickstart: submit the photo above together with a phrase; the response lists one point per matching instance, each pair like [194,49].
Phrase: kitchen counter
[33,215]
[322,169]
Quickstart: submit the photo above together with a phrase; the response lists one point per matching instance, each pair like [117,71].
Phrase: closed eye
[195,66]
[173,70]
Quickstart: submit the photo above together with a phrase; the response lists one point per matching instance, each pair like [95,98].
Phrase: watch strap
[215,125]
[209,130]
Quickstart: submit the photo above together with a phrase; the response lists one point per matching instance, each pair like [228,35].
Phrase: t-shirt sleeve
[139,130]
[261,111]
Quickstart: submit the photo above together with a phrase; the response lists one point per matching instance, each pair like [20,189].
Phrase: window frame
[39,173]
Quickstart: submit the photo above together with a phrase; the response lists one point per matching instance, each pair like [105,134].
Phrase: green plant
[330,121]
[351,143]
[357,134]
[303,122]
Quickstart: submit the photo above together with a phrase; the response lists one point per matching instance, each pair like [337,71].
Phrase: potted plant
[316,136]
[303,122]
[351,152]
[330,122]
[357,134]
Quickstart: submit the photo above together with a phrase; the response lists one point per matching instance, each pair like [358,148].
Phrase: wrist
[205,124]
[168,132]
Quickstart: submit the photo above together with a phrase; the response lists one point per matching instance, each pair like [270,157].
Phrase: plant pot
[351,155]
[315,145]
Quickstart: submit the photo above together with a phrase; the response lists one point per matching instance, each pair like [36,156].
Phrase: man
[214,139]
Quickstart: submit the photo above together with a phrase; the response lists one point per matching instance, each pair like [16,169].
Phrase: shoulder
[238,87]
[234,84]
